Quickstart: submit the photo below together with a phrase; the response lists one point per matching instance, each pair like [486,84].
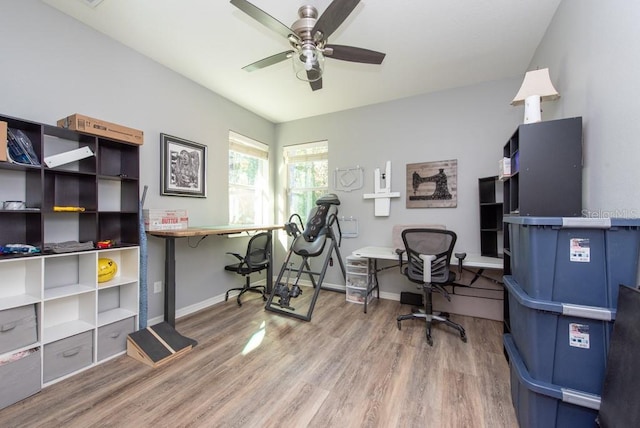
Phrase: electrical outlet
[157,287]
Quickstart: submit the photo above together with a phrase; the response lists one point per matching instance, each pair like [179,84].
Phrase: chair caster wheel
[399,325]
[463,337]
[430,341]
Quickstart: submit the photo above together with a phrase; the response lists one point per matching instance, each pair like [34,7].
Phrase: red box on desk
[160,219]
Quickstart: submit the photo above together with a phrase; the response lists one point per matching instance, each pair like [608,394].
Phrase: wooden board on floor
[158,344]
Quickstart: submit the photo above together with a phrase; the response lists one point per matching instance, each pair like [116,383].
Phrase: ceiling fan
[308,37]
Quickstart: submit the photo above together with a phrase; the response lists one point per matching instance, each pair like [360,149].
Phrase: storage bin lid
[567,395]
[568,309]
[574,222]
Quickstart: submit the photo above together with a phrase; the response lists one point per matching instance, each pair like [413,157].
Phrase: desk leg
[372,280]
[170,281]
[270,265]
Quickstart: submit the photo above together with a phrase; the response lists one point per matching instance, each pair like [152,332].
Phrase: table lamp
[536,87]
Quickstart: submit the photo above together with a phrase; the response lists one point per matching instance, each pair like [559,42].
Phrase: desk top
[212,230]
[471,260]
[386,253]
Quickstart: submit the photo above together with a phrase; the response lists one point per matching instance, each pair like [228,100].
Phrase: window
[248,180]
[307,176]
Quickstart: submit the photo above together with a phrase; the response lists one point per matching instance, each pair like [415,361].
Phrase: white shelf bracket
[382,195]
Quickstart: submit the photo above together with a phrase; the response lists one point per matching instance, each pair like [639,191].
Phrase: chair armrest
[237,256]
[427,258]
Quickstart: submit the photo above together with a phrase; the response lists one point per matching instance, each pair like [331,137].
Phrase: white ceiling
[431,45]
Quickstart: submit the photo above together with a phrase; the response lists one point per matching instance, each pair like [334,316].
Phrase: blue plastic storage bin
[573,259]
[560,343]
[543,405]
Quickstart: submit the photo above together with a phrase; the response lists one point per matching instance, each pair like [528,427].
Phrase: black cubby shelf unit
[106,186]
[79,321]
[490,198]
[545,179]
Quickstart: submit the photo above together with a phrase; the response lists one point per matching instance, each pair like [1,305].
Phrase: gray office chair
[257,259]
[433,246]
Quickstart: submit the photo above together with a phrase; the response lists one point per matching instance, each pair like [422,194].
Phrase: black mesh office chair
[435,245]
[256,259]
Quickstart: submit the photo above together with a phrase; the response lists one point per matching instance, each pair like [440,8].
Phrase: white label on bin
[579,250]
[579,335]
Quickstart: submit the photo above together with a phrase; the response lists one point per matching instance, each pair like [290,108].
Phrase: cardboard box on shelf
[89,125]
[504,168]
[160,219]
[3,141]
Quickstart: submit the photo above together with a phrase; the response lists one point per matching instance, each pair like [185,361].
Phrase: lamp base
[532,111]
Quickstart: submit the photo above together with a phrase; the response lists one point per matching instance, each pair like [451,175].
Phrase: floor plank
[344,368]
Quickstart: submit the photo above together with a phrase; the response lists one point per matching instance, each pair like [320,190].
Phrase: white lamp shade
[536,82]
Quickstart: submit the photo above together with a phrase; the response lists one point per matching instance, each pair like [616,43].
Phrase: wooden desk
[170,236]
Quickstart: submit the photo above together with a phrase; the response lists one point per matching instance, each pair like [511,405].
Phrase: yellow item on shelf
[69,209]
[107,269]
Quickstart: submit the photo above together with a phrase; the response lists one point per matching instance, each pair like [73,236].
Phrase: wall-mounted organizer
[56,318]
[349,226]
[348,179]
[382,194]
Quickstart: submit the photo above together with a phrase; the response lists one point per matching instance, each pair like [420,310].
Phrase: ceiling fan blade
[334,16]
[353,54]
[263,17]
[316,85]
[266,62]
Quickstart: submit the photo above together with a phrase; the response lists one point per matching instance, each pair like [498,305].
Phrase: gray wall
[53,66]
[469,124]
[592,54]
[590,49]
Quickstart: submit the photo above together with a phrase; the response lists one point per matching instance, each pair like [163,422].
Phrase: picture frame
[432,184]
[183,167]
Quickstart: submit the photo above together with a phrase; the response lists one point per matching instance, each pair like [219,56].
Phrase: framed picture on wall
[432,184]
[183,169]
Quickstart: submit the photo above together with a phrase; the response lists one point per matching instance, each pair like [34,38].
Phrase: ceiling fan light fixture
[308,64]
[308,39]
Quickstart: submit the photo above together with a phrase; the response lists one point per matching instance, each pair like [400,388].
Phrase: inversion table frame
[299,247]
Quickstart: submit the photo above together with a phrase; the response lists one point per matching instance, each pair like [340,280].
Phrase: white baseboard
[188,310]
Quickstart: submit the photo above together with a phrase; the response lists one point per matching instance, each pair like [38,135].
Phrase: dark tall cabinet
[546,175]
[546,169]
[546,172]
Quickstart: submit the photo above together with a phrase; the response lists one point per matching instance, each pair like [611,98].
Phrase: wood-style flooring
[344,368]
